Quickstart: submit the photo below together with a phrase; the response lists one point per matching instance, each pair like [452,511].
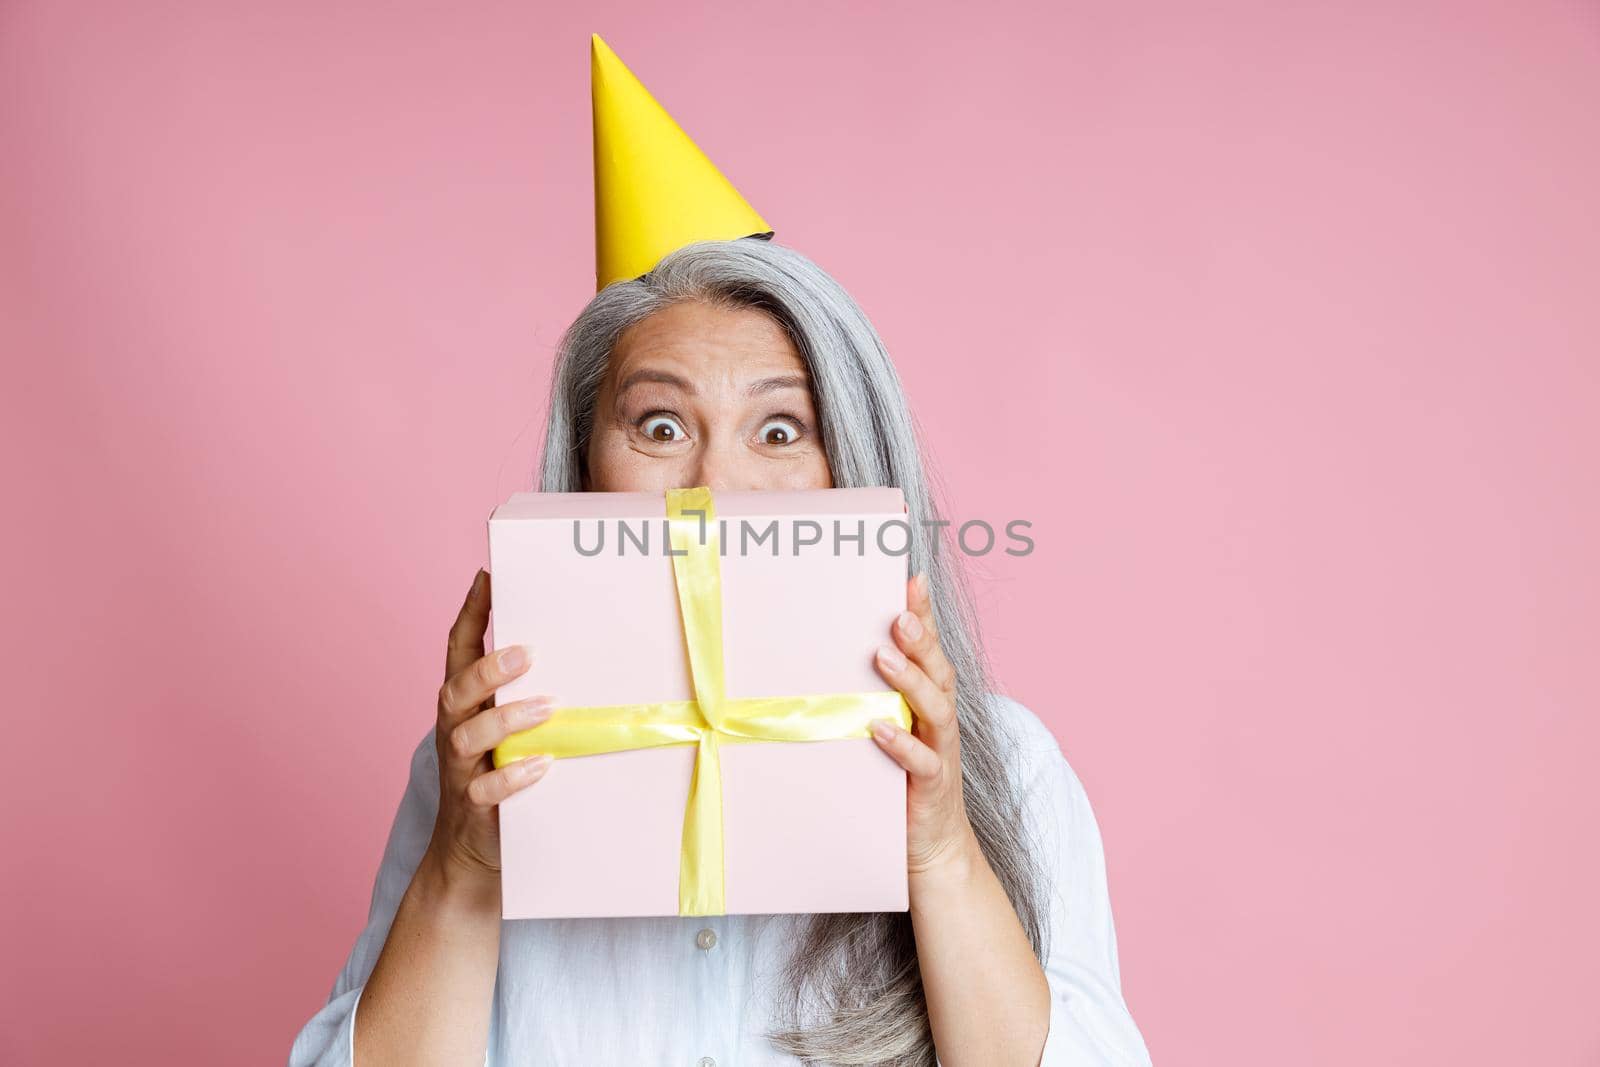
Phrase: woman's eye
[779,432]
[663,429]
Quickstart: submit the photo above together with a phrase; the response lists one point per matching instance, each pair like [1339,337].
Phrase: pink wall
[1282,326]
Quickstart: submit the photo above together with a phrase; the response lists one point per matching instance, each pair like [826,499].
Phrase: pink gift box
[811,581]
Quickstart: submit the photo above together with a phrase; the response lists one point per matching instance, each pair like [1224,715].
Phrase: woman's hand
[466,833]
[939,837]
[988,997]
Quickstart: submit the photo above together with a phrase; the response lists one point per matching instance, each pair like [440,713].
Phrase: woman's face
[697,395]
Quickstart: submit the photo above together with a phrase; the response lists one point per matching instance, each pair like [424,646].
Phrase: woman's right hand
[466,833]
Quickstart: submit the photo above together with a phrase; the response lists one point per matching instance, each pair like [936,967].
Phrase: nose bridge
[717,460]
[722,456]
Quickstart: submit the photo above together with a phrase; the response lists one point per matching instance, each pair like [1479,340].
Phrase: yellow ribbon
[708,719]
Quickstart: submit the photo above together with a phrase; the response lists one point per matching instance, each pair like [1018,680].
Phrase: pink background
[1279,321]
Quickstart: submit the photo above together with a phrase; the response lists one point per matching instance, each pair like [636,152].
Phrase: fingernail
[533,765]
[531,713]
[921,583]
[513,658]
[910,625]
[891,658]
[882,730]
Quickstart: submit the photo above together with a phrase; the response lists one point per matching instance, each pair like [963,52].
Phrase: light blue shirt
[701,992]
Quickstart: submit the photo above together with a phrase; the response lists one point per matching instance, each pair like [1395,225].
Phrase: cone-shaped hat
[654,190]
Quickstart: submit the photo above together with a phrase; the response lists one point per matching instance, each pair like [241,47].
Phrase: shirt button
[707,1061]
[706,938]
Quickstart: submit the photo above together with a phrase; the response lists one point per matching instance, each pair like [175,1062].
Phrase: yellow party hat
[654,190]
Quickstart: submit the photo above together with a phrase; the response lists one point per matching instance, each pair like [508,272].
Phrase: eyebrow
[778,384]
[756,388]
[644,374]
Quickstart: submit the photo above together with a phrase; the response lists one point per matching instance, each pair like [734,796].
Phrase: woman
[741,365]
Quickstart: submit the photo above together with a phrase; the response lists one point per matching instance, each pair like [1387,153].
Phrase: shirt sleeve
[1089,1021]
[328,1038]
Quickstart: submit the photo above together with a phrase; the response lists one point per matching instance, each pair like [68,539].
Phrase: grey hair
[860,968]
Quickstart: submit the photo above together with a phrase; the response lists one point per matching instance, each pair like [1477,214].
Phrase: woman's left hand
[938,836]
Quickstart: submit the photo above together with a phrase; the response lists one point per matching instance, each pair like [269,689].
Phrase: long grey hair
[861,969]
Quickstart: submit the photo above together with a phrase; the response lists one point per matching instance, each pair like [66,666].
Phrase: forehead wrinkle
[699,360]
